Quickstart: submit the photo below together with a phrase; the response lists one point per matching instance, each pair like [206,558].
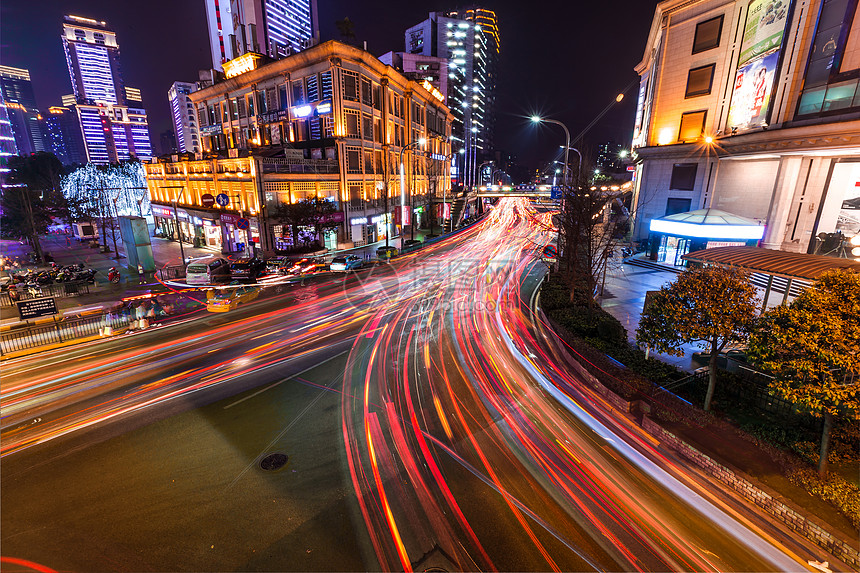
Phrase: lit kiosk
[673,236]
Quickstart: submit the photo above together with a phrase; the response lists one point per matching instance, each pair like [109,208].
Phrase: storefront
[199,228]
[236,239]
[674,236]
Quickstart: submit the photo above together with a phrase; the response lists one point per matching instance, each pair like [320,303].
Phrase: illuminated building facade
[184,116]
[23,116]
[469,41]
[64,136]
[751,107]
[275,28]
[328,122]
[111,115]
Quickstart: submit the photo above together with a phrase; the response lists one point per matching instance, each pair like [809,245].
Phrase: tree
[591,227]
[311,212]
[711,307]
[812,348]
[27,196]
[346,29]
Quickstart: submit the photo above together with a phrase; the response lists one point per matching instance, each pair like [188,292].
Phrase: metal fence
[170,273]
[60,331]
[60,290]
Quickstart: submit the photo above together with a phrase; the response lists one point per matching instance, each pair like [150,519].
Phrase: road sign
[555,193]
[208,200]
[222,199]
[36,307]
[243,224]
[550,251]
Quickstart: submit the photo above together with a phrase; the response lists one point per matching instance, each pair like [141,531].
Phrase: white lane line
[270,386]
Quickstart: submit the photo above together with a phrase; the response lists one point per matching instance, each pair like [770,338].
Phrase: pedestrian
[68,241]
[140,274]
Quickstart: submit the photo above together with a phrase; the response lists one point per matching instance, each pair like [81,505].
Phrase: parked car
[386,253]
[227,299]
[411,243]
[248,269]
[207,272]
[306,266]
[347,263]
[278,265]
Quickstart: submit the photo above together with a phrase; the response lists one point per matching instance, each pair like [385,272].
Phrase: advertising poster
[753,86]
[762,42]
[764,29]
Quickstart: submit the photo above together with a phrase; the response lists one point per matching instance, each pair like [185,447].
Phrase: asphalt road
[416,415]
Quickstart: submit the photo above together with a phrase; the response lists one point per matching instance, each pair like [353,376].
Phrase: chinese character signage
[36,307]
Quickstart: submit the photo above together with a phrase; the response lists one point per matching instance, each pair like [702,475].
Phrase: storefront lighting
[681,229]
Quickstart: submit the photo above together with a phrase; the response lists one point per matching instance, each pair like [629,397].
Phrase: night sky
[560,58]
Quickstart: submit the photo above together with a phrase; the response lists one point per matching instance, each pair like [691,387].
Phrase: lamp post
[176,218]
[579,168]
[421,141]
[539,119]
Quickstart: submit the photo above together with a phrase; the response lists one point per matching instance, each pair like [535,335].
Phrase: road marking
[297,374]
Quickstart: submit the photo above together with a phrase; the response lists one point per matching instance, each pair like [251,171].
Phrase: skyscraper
[113,130]
[17,90]
[63,135]
[184,117]
[276,28]
[469,41]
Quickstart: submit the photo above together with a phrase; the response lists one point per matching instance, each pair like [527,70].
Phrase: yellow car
[227,299]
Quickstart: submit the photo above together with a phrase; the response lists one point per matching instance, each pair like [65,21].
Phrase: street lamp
[420,141]
[539,119]
[176,218]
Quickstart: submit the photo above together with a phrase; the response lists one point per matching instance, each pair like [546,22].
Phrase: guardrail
[60,290]
[59,331]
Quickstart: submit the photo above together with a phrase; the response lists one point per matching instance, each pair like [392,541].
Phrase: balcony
[308,166]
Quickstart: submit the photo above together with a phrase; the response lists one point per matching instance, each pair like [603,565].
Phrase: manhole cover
[273,462]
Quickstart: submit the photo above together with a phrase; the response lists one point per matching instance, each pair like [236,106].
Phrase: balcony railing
[278,165]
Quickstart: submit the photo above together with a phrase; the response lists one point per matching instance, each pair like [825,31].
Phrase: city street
[413,415]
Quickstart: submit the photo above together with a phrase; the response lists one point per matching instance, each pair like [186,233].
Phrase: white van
[85,231]
[207,272]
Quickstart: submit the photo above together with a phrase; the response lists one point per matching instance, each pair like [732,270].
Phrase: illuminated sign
[210,129]
[681,229]
[433,91]
[307,110]
[274,115]
[241,65]
[759,57]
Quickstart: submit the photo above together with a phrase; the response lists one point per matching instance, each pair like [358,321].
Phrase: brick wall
[774,507]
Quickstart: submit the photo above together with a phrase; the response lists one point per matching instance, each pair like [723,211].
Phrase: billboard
[764,31]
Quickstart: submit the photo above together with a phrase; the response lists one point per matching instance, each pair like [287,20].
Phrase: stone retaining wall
[774,507]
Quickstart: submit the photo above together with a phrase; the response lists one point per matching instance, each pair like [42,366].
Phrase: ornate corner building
[331,122]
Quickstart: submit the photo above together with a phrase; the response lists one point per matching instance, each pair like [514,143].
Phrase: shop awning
[776,263]
[708,224]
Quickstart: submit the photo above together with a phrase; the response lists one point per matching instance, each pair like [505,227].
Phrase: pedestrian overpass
[531,191]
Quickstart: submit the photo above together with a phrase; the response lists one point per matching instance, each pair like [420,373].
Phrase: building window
[249,99]
[353,160]
[675,205]
[368,161]
[683,179]
[313,91]
[708,34]
[350,85]
[367,127]
[366,92]
[325,80]
[351,123]
[692,125]
[377,97]
[298,93]
[699,81]
[355,201]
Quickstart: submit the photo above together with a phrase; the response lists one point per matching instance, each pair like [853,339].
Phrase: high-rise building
[469,41]
[275,28]
[421,69]
[7,139]
[64,136]
[111,115]
[185,124]
[17,90]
